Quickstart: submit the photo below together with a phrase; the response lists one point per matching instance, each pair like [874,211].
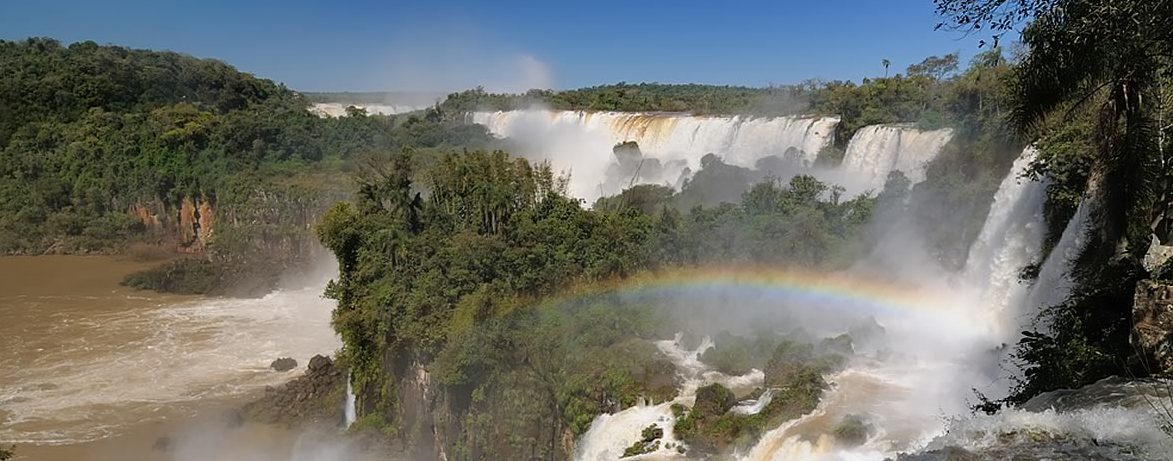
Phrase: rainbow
[805,286]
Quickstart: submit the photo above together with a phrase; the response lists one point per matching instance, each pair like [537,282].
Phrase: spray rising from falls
[582,141]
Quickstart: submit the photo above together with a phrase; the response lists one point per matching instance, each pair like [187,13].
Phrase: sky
[444,45]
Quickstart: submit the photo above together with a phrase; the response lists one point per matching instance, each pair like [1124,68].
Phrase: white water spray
[348,408]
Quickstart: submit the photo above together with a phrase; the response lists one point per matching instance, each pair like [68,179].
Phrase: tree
[935,67]
[885,62]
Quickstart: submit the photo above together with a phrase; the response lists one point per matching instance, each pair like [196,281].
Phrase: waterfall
[739,139]
[876,150]
[348,407]
[581,141]
[1054,283]
[1010,239]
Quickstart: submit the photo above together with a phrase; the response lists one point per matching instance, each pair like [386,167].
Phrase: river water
[93,370]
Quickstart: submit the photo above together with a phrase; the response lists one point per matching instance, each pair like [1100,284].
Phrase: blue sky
[509,45]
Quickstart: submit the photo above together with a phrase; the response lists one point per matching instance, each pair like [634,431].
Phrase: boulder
[319,363]
[283,364]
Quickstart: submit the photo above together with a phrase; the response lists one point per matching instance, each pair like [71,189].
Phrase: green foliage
[87,132]
[737,355]
[1091,87]
[184,276]
[649,441]
[445,262]
[642,97]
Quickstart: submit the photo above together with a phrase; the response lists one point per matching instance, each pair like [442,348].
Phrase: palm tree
[1110,54]
[886,63]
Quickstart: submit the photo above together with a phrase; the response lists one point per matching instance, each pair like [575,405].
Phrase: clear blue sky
[447,44]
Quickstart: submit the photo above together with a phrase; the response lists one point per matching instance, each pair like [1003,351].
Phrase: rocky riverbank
[317,398]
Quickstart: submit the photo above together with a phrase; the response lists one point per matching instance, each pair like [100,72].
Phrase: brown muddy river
[93,370]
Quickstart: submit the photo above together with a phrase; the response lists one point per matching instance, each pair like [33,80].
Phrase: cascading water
[337,109]
[1011,238]
[1054,282]
[348,407]
[740,139]
[582,141]
[876,150]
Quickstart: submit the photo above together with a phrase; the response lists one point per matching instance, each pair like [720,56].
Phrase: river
[94,370]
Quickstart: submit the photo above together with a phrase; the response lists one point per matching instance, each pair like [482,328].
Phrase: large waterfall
[876,150]
[740,140]
[581,142]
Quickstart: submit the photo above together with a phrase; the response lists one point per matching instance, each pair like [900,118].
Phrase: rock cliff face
[1152,324]
[188,227]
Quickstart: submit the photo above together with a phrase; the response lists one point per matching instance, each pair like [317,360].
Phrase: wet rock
[944,454]
[283,364]
[319,363]
[1157,256]
[314,397]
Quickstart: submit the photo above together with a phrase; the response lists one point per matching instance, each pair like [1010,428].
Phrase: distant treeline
[87,132]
